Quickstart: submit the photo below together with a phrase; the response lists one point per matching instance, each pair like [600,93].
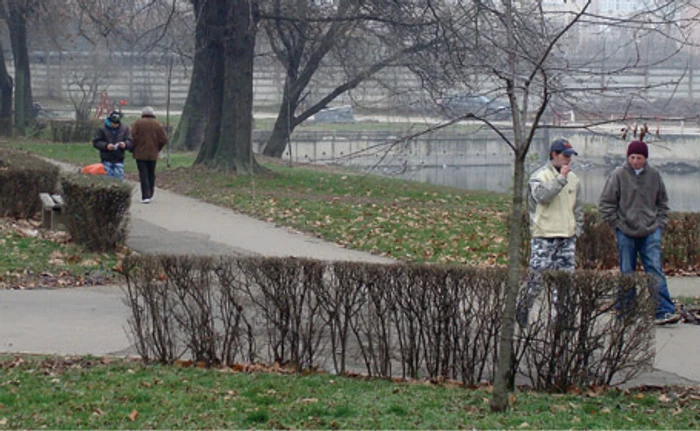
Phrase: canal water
[683,189]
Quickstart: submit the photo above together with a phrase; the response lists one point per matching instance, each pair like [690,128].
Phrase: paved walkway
[93,320]
[174,223]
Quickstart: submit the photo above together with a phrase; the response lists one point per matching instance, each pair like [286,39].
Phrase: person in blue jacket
[113,139]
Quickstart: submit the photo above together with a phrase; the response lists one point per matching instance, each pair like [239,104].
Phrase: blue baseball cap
[563,146]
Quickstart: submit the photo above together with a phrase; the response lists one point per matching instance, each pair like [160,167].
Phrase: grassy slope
[402,219]
[407,220]
[34,258]
[86,393]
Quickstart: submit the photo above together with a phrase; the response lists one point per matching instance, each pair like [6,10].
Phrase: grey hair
[148,111]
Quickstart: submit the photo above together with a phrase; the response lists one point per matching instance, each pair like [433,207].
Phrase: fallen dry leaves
[56,272]
[133,415]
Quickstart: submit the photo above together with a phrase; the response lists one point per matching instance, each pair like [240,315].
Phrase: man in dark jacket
[634,203]
[149,140]
[113,139]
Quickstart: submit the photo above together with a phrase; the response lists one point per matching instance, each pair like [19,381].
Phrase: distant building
[628,8]
[621,8]
[691,14]
[562,5]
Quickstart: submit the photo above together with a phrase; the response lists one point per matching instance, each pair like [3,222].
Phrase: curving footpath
[92,320]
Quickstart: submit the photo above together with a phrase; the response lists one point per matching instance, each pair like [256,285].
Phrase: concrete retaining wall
[478,149]
[143,80]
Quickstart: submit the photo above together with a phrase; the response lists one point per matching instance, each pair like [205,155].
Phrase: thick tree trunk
[228,144]
[23,88]
[214,42]
[5,97]
[297,82]
[237,117]
[190,132]
[208,151]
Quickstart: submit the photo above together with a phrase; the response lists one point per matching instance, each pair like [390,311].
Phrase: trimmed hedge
[72,131]
[97,210]
[681,242]
[410,321]
[596,248]
[22,177]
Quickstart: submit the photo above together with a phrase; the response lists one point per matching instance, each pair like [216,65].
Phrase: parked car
[462,104]
[338,114]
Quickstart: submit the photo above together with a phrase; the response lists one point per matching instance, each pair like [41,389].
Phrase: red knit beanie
[638,147]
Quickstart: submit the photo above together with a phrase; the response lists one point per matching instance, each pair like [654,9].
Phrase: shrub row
[22,177]
[409,321]
[97,210]
[596,248]
[72,131]
[681,241]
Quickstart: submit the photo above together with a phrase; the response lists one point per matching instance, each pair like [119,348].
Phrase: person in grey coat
[634,203]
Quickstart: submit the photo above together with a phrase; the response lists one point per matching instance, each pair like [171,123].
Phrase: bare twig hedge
[409,321]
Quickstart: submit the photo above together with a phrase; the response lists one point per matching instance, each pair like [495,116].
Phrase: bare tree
[24,23]
[6,88]
[231,32]
[302,34]
[160,33]
[190,131]
[16,14]
[218,110]
[82,89]
[40,23]
[524,52]
[126,25]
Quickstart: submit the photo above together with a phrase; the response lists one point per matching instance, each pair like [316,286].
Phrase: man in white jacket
[556,219]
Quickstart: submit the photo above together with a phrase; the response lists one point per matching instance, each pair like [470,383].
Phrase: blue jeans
[115,170]
[649,249]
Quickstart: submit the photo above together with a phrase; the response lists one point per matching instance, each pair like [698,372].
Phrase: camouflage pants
[546,254]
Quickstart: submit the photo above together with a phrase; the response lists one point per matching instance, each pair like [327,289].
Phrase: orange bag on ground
[95,169]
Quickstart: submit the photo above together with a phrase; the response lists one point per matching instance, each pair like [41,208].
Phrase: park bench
[52,209]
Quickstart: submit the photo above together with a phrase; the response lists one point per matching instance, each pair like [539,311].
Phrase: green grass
[691,302]
[28,261]
[402,219]
[368,126]
[48,260]
[82,154]
[86,393]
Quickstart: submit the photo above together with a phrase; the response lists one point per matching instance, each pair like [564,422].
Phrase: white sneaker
[145,201]
[668,319]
